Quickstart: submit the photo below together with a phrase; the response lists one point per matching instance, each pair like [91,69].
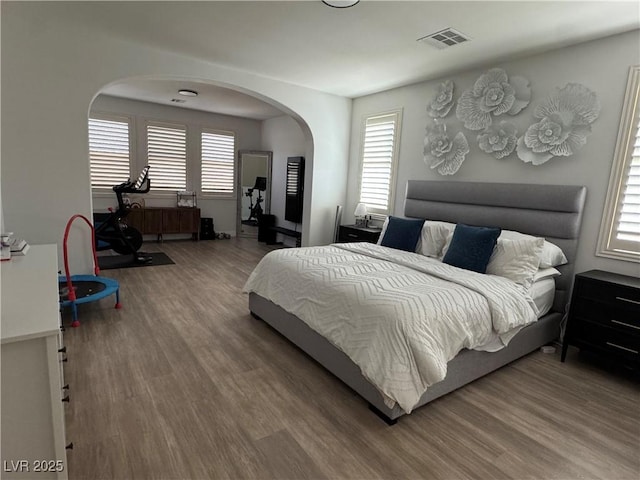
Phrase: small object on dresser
[20,248]
[604,316]
[186,199]
[5,243]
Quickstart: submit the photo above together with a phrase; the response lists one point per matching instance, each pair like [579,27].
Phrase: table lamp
[361,215]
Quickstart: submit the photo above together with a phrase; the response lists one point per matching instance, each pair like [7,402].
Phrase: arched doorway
[257,123]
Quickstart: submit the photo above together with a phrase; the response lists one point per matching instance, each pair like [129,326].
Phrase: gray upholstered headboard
[550,211]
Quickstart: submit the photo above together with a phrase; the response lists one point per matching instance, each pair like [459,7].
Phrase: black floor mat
[109,262]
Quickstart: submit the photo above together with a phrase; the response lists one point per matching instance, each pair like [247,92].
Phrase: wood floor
[183,383]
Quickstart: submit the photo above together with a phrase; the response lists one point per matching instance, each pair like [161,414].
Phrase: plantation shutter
[109,151]
[167,156]
[620,230]
[378,159]
[217,163]
[628,221]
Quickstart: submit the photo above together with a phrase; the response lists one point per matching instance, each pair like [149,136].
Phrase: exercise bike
[112,231]
[255,211]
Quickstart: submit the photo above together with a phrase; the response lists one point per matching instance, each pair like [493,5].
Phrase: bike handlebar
[135,187]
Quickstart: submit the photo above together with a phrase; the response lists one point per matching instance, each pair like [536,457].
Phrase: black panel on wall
[294,190]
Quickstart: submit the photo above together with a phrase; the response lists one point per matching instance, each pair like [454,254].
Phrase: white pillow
[517,260]
[384,229]
[551,255]
[543,273]
[433,237]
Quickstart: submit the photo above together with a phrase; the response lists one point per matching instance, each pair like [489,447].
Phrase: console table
[161,220]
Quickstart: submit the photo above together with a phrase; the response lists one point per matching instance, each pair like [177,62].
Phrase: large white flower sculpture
[499,140]
[442,101]
[565,122]
[442,152]
[493,94]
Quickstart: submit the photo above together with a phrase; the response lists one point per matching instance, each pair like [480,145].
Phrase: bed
[550,211]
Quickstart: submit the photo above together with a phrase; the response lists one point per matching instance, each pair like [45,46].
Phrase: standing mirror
[253,185]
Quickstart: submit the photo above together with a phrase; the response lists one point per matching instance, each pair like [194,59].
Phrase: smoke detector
[445,38]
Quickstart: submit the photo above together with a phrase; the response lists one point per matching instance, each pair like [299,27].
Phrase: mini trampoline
[76,289]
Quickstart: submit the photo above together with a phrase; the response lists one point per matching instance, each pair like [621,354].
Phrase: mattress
[542,293]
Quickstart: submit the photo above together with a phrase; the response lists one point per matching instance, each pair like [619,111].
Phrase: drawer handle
[625,324]
[622,348]
[628,300]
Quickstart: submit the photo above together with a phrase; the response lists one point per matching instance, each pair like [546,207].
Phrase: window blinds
[620,229]
[167,156]
[109,151]
[217,163]
[628,222]
[378,162]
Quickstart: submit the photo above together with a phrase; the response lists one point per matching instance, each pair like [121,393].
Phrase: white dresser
[33,390]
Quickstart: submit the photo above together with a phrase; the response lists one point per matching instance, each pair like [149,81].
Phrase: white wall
[600,65]
[51,71]
[284,138]
[247,136]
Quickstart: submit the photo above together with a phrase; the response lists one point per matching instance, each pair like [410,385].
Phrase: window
[109,150]
[620,231]
[217,163]
[379,158]
[167,156]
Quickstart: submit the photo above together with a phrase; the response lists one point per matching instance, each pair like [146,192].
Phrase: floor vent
[445,38]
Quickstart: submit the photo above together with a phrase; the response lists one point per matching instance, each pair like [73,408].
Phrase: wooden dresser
[34,394]
[604,316]
[160,220]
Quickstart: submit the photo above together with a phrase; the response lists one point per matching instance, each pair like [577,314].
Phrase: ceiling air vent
[445,38]
[178,100]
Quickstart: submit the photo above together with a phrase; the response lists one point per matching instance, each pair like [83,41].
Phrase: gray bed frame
[550,211]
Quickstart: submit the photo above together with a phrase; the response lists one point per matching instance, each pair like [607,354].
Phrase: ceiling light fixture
[188,93]
[340,4]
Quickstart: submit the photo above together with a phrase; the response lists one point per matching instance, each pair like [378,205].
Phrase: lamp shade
[361,210]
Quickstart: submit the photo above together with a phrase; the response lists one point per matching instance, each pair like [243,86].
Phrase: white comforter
[399,316]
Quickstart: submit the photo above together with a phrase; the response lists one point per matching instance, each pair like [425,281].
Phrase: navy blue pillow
[471,247]
[402,234]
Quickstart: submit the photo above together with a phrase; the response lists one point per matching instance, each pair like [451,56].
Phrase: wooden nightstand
[604,316]
[353,233]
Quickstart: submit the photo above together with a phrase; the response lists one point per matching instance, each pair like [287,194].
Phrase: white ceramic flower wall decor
[442,152]
[499,140]
[565,119]
[493,94]
[442,101]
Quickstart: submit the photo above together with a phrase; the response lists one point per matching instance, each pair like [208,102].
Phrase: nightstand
[353,233]
[604,316]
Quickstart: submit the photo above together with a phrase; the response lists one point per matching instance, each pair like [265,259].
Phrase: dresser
[353,233]
[604,316]
[160,220]
[34,394]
